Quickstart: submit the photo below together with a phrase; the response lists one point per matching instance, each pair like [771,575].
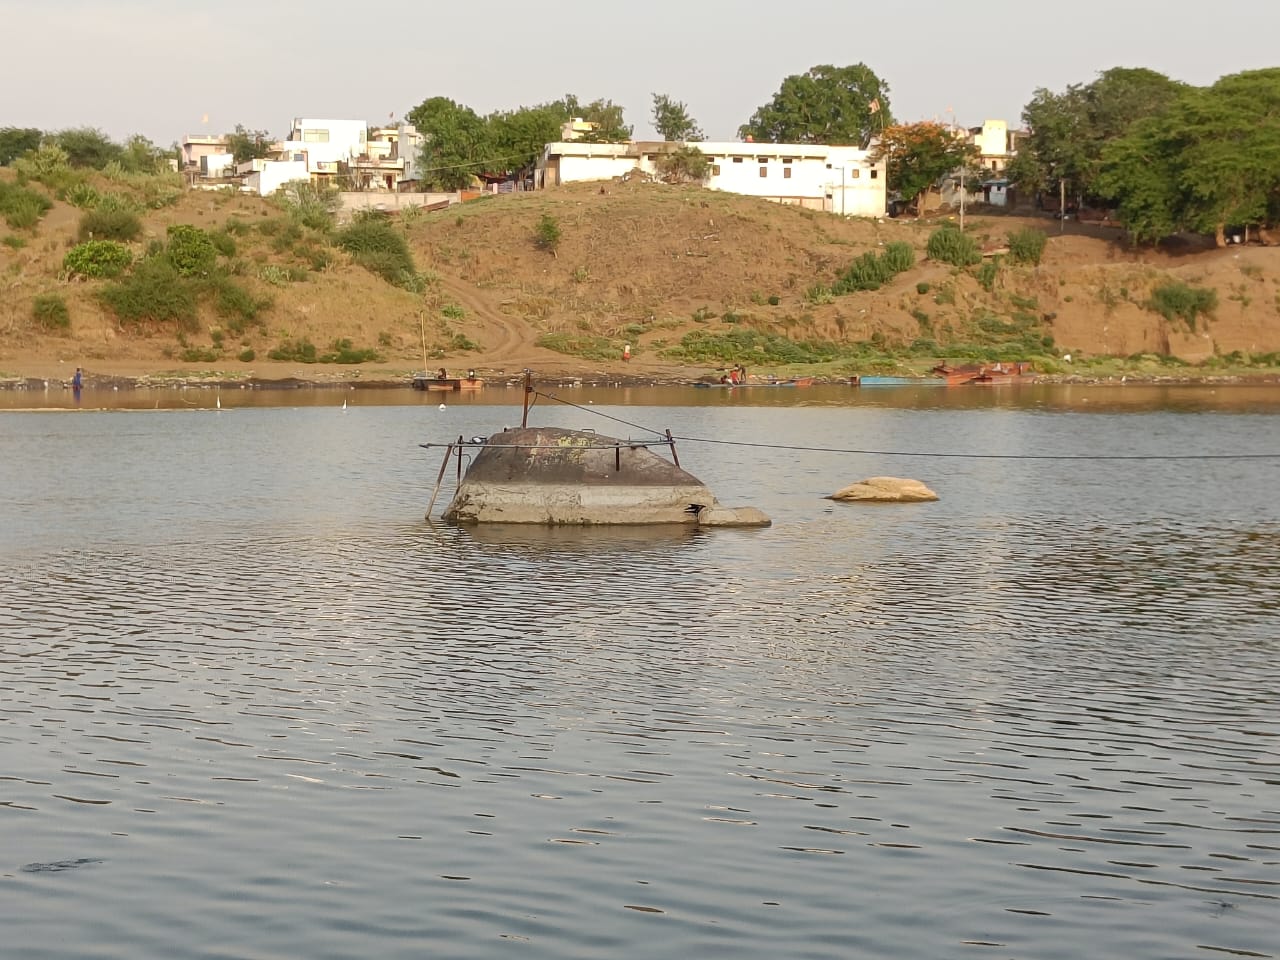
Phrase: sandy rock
[886,490]
[721,516]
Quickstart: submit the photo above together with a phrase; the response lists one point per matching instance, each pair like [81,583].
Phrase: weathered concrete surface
[885,490]
[551,476]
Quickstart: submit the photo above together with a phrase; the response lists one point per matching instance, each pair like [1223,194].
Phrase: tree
[15,141]
[611,127]
[248,144]
[1070,130]
[457,146]
[519,136]
[835,105]
[88,147]
[672,121]
[1210,161]
[918,155]
[685,164]
[140,155]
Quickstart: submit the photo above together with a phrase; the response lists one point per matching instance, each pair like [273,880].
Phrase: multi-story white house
[840,180]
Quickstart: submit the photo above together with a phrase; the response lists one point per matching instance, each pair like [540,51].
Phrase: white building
[265,177]
[839,180]
[996,143]
[324,144]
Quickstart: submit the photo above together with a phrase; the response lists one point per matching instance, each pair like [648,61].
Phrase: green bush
[298,351]
[899,256]
[774,300]
[110,222]
[98,258]
[546,235]
[949,245]
[819,294]
[50,311]
[84,196]
[247,355]
[922,288]
[1027,246]
[1177,300]
[223,242]
[21,207]
[191,250]
[310,205]
[987,275]
[154,293]
[686,164]
[343,352]
[377,246]
[870,271]
[14,242]
[235,303]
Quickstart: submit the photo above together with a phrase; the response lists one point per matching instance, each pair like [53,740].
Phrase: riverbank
[118,375]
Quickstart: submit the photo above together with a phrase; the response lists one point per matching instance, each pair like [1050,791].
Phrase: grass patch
[1181,301]
[110,223]
[585,345]
[22,207]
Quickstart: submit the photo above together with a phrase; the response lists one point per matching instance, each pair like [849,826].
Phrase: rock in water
[885,490]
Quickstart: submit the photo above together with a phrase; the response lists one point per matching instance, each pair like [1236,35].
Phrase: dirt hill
[644,264]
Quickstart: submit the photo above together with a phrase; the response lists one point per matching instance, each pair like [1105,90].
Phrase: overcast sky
[160,67]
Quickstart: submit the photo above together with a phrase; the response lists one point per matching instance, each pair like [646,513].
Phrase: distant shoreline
[501,380]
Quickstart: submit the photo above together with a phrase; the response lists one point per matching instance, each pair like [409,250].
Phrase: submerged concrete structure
[547,475]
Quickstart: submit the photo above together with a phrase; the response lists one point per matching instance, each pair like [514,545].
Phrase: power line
[985,456]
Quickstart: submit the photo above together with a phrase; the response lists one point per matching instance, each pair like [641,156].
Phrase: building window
[715,169]
[855,174]
[737,159]
[828,166]
[787,159]
[315,136]
[875,174]
[764,171]
[786,173]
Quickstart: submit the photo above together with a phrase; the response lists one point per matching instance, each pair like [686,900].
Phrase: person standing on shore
[78,380]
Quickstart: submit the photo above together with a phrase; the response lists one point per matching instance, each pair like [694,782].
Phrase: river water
[254,705]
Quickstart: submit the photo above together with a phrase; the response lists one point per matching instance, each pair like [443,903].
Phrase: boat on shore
[877,381]
[944,375]
[726,385]
[439,384]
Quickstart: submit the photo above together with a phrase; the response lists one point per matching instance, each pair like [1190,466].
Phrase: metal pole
[528,392]
[1062,206]
[671,442]
[439,479]
[422,326]
[459,459]
[962,196]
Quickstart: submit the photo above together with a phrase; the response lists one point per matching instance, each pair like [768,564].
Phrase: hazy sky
[158,67]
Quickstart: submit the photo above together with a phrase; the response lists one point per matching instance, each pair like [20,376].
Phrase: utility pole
[1062,206]
[962,196]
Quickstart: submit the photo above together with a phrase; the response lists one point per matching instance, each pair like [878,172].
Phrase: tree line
[85,148]
[1166,156]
